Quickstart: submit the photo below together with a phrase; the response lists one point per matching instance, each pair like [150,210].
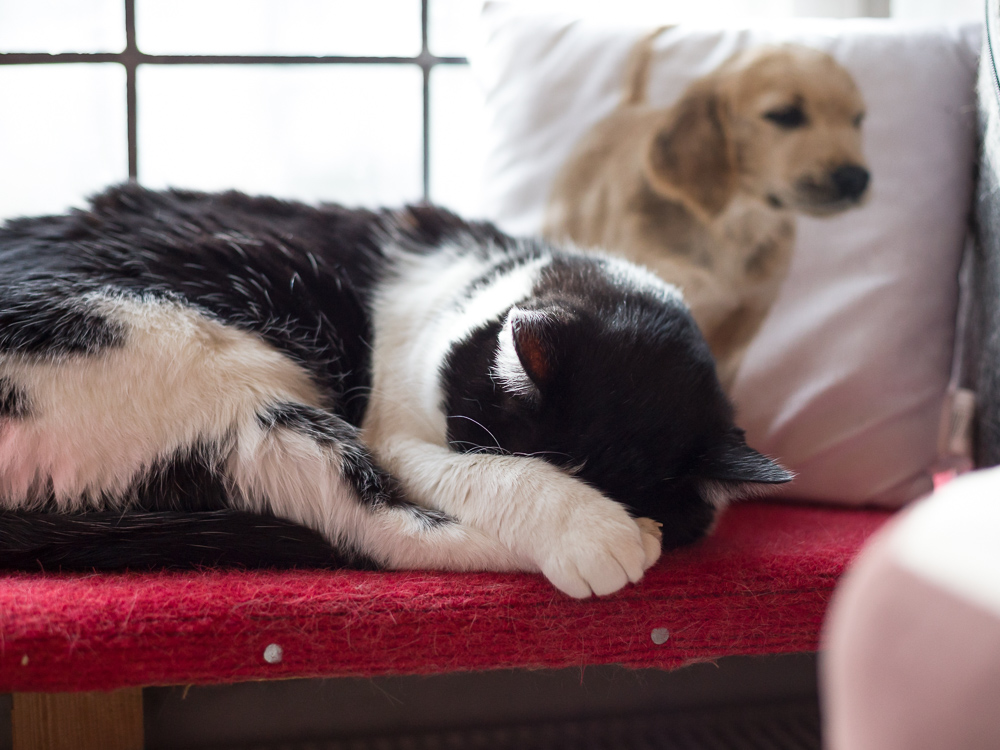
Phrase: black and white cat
[180,369]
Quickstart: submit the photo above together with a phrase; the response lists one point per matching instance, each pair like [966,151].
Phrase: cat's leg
[108,386]
[581,540]
[306,465]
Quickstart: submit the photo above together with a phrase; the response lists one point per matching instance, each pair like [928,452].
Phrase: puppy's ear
[733,470]
[690,159]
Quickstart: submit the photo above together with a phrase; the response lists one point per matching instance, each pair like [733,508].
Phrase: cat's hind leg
[172,405]
[107,386]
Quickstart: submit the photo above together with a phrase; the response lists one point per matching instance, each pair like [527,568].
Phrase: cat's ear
[534,334]
[732,470]
[527,362]
[735,461]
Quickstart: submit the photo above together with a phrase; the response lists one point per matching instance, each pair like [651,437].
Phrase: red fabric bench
[759,585]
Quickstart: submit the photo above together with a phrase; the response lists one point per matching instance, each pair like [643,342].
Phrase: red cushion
[759,585]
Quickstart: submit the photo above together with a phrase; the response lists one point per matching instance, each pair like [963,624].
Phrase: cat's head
[603,372]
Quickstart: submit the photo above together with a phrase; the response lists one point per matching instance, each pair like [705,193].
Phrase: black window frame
[132,57]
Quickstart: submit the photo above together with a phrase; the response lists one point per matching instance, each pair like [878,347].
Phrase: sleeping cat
[189,378]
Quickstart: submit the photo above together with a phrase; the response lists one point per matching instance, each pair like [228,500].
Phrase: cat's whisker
[480,425]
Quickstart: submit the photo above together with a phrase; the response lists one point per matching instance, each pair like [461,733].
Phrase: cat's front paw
[600,550]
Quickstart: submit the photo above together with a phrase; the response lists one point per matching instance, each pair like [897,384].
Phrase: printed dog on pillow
[705,192]
[417,391]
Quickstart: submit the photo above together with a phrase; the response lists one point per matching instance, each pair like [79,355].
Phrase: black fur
[13,402]
[190,483]
[297,276]
[316,424]
[44,316]
[162,540]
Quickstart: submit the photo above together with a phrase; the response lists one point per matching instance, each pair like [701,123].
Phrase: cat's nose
[850,180]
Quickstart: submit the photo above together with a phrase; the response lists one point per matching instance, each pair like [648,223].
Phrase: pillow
[846,379]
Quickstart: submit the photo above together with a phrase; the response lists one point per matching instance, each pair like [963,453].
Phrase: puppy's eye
[789,117]
[858,119]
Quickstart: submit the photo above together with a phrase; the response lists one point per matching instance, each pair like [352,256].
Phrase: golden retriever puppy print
[705,192]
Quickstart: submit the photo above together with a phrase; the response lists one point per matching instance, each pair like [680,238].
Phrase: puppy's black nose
[850,180]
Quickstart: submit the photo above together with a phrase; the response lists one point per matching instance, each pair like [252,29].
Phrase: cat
[191,378]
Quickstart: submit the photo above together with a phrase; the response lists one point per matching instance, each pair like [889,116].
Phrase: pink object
[912,646]
[759,585]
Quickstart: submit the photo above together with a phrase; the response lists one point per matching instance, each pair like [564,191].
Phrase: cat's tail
[108,540]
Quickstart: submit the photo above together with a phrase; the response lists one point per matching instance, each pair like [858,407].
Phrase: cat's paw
[599,550]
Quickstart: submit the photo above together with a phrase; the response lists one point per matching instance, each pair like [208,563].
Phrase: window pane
[282,27]
[458,151]
[348,133]
[62,135]
[62,26]
[452,26]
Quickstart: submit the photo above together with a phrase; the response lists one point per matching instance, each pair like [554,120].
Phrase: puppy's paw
[598,551]
[652,540]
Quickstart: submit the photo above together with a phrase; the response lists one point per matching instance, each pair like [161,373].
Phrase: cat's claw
[652,540]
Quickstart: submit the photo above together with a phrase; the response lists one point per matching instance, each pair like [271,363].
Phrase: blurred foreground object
[912,642]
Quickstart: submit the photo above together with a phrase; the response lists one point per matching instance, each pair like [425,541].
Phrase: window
[363,103]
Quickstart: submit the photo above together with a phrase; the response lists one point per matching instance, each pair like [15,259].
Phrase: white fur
[641,278]
[582,541]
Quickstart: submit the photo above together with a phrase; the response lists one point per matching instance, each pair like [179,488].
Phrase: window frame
[131,57]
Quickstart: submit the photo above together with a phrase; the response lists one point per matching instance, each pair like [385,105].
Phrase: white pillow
[846,379]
